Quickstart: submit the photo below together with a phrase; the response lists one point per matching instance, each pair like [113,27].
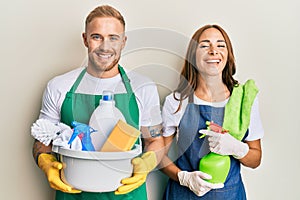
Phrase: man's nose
[105,44]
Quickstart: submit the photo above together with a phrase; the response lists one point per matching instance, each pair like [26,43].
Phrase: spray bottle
[216,165]
[83,131]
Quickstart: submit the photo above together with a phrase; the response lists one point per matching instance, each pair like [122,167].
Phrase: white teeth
[105,56]
[213,61]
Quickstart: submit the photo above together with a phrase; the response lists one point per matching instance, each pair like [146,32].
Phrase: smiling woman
[208,92]
[212,52]
[211,58]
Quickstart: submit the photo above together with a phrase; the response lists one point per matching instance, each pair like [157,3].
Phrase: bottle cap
[107,96]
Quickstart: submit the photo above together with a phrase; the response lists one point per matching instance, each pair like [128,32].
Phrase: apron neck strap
[124,77]
[191,97]
[78,80]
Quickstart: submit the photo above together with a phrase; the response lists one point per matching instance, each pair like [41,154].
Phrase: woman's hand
[196,182]
[225,144]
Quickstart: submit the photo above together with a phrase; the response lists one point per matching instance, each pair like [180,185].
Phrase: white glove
[195,181]
[225,144]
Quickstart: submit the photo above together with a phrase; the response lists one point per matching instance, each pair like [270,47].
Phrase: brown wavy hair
[189,75]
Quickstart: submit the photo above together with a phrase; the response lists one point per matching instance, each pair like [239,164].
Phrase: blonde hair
[105,11]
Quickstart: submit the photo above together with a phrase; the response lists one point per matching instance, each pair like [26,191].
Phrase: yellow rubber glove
[141,168]
[51,167]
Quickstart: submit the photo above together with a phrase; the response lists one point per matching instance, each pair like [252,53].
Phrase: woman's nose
[213,51]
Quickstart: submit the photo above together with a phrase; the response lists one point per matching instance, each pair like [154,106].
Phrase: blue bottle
[83,131]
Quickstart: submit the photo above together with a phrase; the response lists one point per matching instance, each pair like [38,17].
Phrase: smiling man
[73,96]
[104,37]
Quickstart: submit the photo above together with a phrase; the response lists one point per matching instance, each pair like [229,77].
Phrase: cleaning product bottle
[83,131]
[104,118]
[216,165]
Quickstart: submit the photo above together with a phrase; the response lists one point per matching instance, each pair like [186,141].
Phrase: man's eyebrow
[114,35]
[93,34]
[110,35]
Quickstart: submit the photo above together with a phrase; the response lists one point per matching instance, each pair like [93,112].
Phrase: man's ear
[84,39]
[124,41]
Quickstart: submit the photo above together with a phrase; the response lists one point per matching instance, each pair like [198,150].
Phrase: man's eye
[96,37]
[222,45]
[114,38]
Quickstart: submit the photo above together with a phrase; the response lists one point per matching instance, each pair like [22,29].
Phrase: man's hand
[51,167]
[141,168]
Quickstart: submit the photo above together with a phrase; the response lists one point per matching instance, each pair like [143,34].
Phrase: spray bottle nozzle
[85,130]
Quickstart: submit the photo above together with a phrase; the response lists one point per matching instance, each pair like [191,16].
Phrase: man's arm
[39,148]
[144,164]
[153,140]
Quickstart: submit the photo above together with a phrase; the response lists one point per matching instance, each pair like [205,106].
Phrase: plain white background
[42,38]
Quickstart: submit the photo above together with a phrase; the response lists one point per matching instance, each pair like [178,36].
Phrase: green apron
[80,107]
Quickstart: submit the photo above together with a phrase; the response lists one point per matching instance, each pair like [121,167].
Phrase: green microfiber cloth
[238,109]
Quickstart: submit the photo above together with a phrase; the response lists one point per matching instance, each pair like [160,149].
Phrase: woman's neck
[212,90]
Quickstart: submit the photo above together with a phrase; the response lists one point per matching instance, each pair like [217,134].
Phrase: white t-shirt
[171,120]
[145,91]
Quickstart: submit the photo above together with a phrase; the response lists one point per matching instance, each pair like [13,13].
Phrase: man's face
[105,39]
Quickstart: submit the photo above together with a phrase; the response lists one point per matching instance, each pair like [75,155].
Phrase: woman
[205,93]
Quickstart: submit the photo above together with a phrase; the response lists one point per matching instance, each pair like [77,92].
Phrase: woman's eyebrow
[204,41]
[209,41]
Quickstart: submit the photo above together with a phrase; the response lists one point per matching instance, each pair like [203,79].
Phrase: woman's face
[211,53]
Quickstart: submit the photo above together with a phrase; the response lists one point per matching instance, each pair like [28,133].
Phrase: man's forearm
[39,148]
[153,140]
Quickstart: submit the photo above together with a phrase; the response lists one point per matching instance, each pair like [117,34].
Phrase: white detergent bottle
[104,118]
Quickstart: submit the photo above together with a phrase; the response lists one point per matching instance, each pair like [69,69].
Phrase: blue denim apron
[191,149]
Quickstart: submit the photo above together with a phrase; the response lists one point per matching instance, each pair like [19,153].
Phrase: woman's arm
[253,157]
[166,165]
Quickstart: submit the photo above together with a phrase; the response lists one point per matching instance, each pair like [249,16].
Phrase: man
[71,96]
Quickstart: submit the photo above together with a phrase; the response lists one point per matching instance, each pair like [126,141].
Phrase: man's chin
[105,66]
[112,65]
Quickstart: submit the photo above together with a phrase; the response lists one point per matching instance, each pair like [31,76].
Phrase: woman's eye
[222,46]
[204,46]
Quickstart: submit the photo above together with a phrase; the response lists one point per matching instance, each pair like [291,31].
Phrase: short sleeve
[49,108]
[256,130]
[149,105]
[171,117]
